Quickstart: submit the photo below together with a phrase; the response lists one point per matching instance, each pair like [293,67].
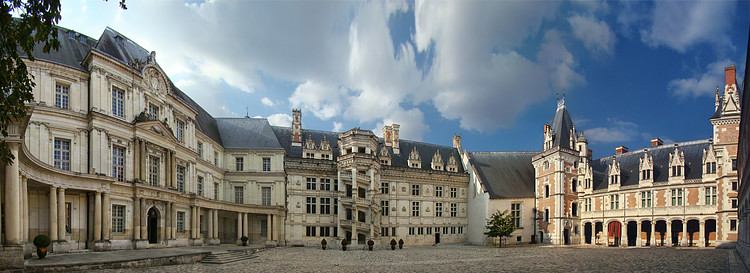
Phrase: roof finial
[247,113]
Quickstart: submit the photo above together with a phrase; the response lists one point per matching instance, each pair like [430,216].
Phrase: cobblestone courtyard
[474,259]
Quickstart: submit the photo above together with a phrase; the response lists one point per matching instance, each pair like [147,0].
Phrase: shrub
[41,240]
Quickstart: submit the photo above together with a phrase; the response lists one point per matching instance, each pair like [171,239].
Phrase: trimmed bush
[42,240]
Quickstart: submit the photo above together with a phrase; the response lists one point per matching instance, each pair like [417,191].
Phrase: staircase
[224,257]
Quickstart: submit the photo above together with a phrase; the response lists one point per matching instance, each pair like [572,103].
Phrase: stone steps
[226,257]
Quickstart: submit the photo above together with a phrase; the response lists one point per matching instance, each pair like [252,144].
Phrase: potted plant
[324,243]
[41,242]
[244,240]
[343,244]
[393,244]
[370,243]
[400,243]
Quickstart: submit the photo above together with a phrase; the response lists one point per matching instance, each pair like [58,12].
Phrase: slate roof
[122,48]
[505,174]
[247,133]
[71,52]
[629,163]
[562,125]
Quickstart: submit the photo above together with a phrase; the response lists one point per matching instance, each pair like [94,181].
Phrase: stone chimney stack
[394,138]
[621,150]
[656,142]
[457,142]
[296,127]
[387,139]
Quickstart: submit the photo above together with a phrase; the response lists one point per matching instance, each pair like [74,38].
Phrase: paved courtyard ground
[455,258]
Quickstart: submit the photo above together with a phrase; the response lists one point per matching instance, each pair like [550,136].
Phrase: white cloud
[682,24]
[280,120]
[337,126]
[703,83]
[616,131]
[266,101]
[324,101]
[596,35]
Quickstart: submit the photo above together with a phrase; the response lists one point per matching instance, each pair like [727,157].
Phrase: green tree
[35,26]
[500,225]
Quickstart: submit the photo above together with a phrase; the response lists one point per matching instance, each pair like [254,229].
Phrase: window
[62,154]
[118,102]
[61,96]
[646,174]
[734,185]
[266,164]
[546,191]
[118,163]
[734,164]
[645,199]
[67,216]
[710,195]
[588,204]
[153,171]
[202,224]
[546,215]
[420,230]
[311,202]
[325,231]
[216,158]
[574,209]
[180,222]
[676,197]
[335,206]
[414,208]
[429,230]
[453,230]
[200,186]
[411,231]
[384,231]
[415,190]
[515,214]
[438,209]
[710,167]
[180,178]
[266,196]
[325,205]
[546,165]
[216,191]
[384,187]
[311,183]
[445,230]
[325,184]
[200,150]
[454,192]
[438,191]
[118,219]
[239,164]
[518,238]
[153,112]
[393,231]
[310,231]
[454,209]
[384,207]
[180,132]
[734,203]
[614,201]
[733,225]
[239,194]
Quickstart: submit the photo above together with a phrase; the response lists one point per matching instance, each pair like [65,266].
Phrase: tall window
[335,206]
[266,164]
[546,191]
[384,206]
[265,196]
[180,222]
[62,154]
[153,171]
[614,201]
[118,102]
[515,214]
[118,163]
[710,167]
[310,231]
[180,131]
[546,215]
[216,158]
[438,191]
[180,178]
[710,195]
[415,190]
[414,208]
[61,96]
[216,191]
[645,174]
[311,203]
[200,186]
[734,202]
[153,112]
[734,164]
[384,187]
[454,192]
[587,204]
[676,170]
[239,164]
[438,209]
[325,205]
[454,209]
[733,225]
[239,194]
[68,211]
[325,184]
[311,183]
[676,197]
[645,199]
[200,150]
[118,219]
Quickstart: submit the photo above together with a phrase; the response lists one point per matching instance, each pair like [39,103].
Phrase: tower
[296,127]
[556,180]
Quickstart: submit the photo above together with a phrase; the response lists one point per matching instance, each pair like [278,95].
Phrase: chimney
[729,75]
[621,150]
[394,138]
[387,140]
[296,127]
[457,142]
[656,142]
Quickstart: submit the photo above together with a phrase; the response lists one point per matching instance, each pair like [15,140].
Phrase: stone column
[136,218]
[639,237]
[173,170]
[53,213]
[239,225]
[61,219]
[701,237]
[652,239]
[173,217]
[623,234]
[268,227]
[137,159]
[106,218]
[210,216]
[142,147]
[12,199]
[144,218]
[277,226]
[668,240]
[193,225]
[25,193]
[355,214]
[168,220]
[245,226]
[216,224]
[98,216]
[683,239]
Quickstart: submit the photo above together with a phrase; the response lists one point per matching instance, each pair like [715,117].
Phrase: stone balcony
[648,212]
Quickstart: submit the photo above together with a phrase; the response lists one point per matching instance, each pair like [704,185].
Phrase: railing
[657,211]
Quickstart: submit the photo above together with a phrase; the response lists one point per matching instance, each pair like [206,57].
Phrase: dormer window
[677,163]
[709,160]
[415,161]
[614,173]
[646,167]
[437,161]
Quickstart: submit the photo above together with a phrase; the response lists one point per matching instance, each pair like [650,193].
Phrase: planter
[323,244]
[370,244]
[400,243]
[393,244]
[244,243]
[41,252]
[343,247]
[41,242]
[244,240]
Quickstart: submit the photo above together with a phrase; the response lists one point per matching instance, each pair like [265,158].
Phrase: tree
[500,225]
[18,37]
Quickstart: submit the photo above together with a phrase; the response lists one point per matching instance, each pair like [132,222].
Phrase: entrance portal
[153,226]
[437,238]
[587,232]
[614,233]
[566,236]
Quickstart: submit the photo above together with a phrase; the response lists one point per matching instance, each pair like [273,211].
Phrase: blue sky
[486,69]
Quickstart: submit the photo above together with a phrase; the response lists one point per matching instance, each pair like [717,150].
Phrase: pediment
[156,127]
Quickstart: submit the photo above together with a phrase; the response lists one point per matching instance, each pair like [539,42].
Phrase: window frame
[62,96]
[61,154]
[266,164]
[239,194]
[118,219]
[118,102]
[118,163]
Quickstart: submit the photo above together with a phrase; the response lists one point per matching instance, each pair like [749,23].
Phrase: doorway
[566,236]
[153,226]
[437,238]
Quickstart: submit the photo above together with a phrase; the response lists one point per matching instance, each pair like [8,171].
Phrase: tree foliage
[500,224]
